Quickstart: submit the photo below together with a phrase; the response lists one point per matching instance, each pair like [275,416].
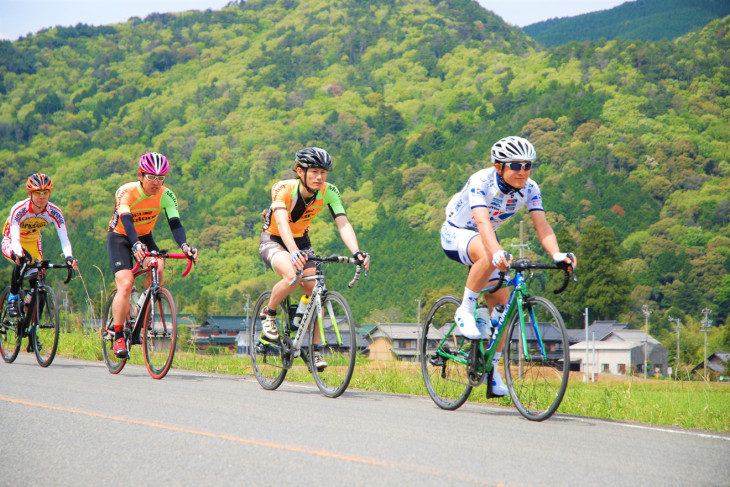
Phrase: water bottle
[300,310]
[483,320]
[497,313]
[140,302]
[135,307]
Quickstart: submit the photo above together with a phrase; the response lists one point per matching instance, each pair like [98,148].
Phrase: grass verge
[686,404]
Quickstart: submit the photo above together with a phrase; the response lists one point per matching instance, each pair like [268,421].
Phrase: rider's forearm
[282,222]
[347,233]
[546,235]
[178,232]
[128,223]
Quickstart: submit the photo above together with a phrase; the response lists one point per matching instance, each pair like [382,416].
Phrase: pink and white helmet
[154,163]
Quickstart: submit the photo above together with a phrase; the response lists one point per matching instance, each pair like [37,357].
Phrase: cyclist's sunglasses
[150,177]
[42,192]
[516,166]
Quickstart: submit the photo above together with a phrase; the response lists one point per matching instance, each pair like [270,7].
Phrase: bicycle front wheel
[337,346]
[443,357]
[10,334]
[113,363]
[159,337]
[45,329]
[537,363]
[267,359]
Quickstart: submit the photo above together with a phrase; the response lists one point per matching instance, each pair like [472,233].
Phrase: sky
[22,17]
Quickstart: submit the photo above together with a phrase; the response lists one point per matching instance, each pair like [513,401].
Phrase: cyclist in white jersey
[490,197]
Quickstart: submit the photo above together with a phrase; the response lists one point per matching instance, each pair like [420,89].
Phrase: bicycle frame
[29,322]
[272,361]
[517,297]
[315,305]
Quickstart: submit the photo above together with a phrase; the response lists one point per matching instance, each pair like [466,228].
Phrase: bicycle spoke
[10,339]
[267,359]
[114,364]
[443,363]
[537,370]
[160,334]
[45,332]
[337,345]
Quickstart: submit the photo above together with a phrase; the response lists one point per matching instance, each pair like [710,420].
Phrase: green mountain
[408,96]
[643,20]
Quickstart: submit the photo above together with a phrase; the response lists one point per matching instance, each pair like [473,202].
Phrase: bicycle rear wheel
[10,336]
[267,359]
[45,330]
[159,335]
[113,363]
[337,345]
[446,378]
[537,378]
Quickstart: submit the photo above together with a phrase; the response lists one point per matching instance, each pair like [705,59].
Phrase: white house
[620,351]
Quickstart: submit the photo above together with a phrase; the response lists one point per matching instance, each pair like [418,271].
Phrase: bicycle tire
[113,363]
[338,347]
[159,335]
[10,337]
[537,383]
[267,359]
[446,379]
[45,331]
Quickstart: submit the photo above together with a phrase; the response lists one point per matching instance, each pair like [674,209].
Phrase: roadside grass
[685,404]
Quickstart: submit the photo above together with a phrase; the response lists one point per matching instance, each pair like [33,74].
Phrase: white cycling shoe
[469,327]
[499,388]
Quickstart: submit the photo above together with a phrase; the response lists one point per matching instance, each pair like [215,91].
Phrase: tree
[201,309]
[602,286]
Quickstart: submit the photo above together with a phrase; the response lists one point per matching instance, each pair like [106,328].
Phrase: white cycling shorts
[455,242]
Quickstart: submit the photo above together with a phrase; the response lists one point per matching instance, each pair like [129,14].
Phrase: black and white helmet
[511,149]
[313,157]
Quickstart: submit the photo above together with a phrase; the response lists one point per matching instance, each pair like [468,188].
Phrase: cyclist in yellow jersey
[22,233]
[138,204]
[285,245]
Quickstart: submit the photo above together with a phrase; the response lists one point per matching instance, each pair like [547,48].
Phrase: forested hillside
[643,20]
[408,96]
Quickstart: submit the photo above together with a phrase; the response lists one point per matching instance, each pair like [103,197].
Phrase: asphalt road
[75,424]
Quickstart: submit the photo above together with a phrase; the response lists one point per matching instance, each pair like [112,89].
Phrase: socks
[469,301]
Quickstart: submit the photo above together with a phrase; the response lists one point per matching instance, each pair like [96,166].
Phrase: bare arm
[545,232]
[282,221]
[348,236]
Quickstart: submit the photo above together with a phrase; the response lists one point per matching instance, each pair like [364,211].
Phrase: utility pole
[418,332]
[645,310]
[521,245]
[248,321]
[585,364]
[677,321]
[706,324]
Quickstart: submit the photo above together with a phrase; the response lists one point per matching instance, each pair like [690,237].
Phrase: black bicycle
[151,323]
[38,316]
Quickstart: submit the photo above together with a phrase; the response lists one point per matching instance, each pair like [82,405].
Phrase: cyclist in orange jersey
[285,244]
[22,233]
[138,204]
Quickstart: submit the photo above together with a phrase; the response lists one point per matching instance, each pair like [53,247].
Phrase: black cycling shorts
[119,249]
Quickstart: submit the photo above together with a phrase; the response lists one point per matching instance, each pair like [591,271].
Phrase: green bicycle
[536,354]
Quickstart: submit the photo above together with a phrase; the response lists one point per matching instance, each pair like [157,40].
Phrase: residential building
[614,348]
[717,366]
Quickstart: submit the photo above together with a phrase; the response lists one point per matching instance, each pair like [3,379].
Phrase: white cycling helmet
[512,149]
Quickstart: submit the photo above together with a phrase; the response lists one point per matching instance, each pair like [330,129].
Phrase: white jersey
[482,190]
